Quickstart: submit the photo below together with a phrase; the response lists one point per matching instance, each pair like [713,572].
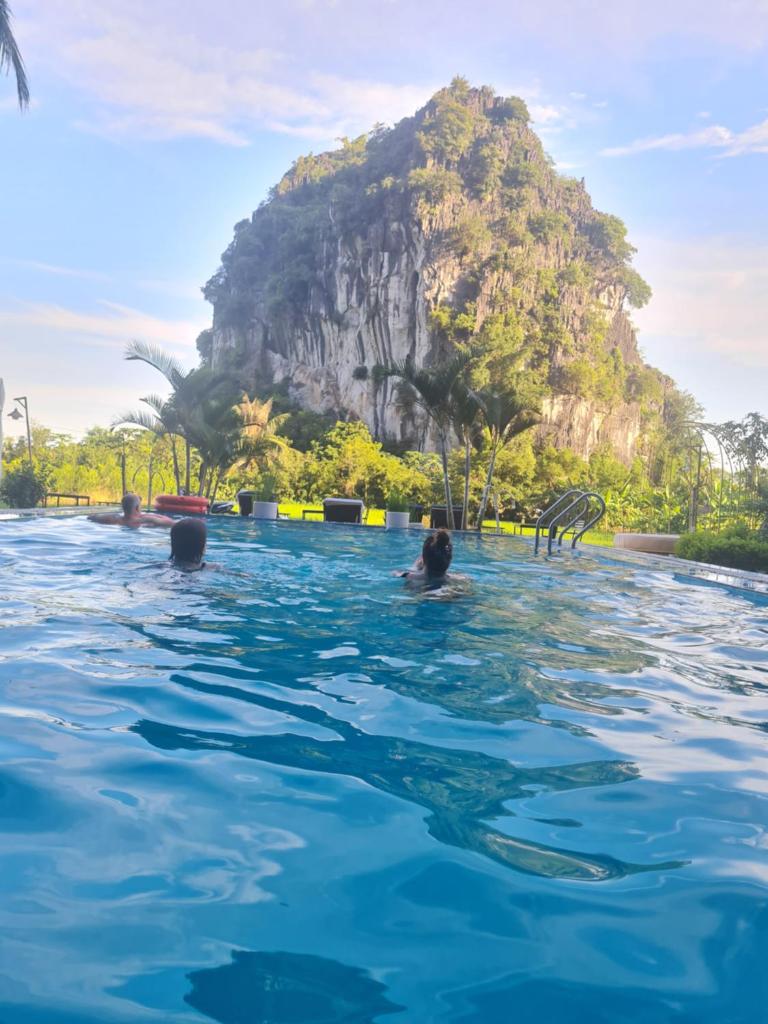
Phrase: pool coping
[742,579]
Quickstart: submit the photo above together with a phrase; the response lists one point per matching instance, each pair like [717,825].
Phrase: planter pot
[245,502]
[264,510]
[397,520]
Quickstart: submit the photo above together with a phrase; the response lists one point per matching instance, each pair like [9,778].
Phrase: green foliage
[448,127]
[498,349]
[485,168]
[735,548]
[576,274]
[577,377]
[512,108]
[638,291]
[397,501]
[523,172]
[471,234]
[266,488]
[23,487]
[548,225]
[435,183]
[609,235]
[452,324]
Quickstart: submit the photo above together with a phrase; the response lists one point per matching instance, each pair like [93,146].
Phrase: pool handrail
[579,506]
[587,524]
[595,518]
[551,509]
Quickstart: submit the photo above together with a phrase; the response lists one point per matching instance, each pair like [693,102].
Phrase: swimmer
[188,539]
[132,515]
[432,567]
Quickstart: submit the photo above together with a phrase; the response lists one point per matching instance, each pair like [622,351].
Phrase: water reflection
[461,789]
[288,988]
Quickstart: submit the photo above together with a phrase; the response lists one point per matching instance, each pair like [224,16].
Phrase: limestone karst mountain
[406,242]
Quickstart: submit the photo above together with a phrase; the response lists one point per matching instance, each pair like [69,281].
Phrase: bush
[736,548]
[22,488]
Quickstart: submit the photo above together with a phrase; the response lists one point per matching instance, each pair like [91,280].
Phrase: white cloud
[543,113]
[58,271]
[150,78]
[710,297]
[111,328]
[716,136]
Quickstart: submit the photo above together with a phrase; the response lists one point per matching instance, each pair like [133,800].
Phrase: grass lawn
[294,509]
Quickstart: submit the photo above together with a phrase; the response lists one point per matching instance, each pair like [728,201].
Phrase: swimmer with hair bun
[432,567]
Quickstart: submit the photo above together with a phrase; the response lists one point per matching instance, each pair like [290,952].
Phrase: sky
[155,126]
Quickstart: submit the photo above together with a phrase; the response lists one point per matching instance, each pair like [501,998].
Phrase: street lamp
[16,415]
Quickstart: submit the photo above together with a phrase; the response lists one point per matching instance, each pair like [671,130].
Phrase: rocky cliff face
[405,243]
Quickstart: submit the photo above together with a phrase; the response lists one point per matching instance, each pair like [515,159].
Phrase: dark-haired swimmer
[188,540]
[132,515]
[432,567]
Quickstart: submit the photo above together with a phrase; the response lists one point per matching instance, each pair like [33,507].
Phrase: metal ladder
[571,511]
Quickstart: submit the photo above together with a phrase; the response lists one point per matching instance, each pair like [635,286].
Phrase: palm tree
[506,415]
[160,418]
[434,386]
[183,412]
[10,56]
[466,413]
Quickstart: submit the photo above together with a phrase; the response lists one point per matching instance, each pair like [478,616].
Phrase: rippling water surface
[289,791]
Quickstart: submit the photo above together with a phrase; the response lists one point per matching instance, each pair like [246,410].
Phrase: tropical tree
[506,415]
[195,395]
[434,388]
[10,55]
[160,419]
[466,416]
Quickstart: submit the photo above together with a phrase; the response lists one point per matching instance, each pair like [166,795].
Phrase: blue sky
[155,126]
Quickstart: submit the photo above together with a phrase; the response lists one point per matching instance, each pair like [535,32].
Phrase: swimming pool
[290,791]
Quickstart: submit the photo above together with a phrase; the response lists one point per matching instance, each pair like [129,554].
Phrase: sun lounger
[438,517]
[343,510]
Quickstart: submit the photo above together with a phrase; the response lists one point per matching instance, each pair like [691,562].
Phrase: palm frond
[10,55]
[153,355]
[139,418]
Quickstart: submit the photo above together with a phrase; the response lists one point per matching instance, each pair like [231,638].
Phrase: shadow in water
[287,988]
[461,789]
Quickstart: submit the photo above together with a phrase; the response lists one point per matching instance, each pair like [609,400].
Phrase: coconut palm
[506,415]
[466,415]
[433,387]
[161,419]
[10,56]
[192,393]
[238,437]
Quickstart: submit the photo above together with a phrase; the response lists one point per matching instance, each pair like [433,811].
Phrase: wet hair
[188,538]
[131,504]
[437,553]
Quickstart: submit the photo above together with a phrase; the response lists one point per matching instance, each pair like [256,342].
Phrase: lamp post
[16,415]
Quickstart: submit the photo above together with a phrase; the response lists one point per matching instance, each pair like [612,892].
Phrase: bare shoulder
[150,519]
[106,518]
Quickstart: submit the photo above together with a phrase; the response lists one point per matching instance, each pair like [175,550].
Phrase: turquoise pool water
[289,791]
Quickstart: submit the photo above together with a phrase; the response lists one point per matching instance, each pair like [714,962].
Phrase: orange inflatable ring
[186,504]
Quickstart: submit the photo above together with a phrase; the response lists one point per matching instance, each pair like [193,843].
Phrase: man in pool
[188,539]
[432,567]
[132,515]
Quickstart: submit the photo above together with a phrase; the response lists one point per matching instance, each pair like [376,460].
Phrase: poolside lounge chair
[438,517]
[343,510]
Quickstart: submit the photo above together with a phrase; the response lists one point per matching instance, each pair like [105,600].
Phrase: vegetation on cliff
[533,267]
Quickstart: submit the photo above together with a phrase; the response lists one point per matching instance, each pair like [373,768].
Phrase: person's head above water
[437,553]
[131,505]
[188,538]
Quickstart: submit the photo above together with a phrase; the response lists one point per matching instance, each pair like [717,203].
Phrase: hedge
[737,549]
